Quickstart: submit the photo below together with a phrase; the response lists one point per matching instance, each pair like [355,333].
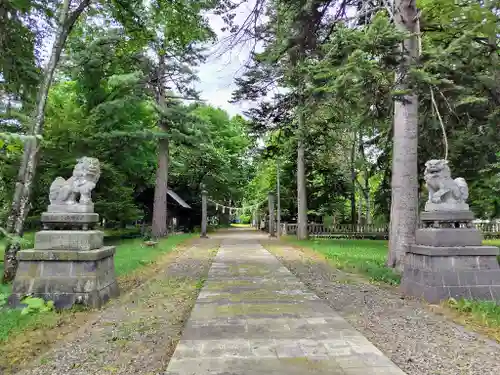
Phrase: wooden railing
[340,230]
[375,231]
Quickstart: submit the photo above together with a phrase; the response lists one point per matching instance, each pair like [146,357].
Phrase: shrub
[245,219]
[36,305]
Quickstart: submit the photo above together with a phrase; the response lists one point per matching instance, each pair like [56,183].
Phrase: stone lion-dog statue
[84,179]
[445,193]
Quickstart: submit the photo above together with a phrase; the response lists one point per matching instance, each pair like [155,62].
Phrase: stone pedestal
[67,266]
[449,261]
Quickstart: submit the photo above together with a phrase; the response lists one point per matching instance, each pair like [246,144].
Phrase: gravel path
[417,340]
[137,333]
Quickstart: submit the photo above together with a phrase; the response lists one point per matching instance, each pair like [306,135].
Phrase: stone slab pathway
[254,317]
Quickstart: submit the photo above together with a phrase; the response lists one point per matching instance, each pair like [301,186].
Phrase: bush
[36,305]
[118,234]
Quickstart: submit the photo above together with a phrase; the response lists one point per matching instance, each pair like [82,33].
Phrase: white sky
[216,76]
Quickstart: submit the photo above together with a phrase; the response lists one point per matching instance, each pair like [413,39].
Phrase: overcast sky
[217,74]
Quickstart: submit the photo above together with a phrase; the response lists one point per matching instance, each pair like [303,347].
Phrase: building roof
[178,199]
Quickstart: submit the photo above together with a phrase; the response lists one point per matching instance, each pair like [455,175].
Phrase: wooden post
[279,199]
[204,214]
[270,198]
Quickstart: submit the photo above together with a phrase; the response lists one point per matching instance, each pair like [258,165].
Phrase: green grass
[239,225]
[486,312]
[131,254]
[366,257]
[480,316]
[492,242]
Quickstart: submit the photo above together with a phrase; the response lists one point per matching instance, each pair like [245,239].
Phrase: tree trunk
[159,226]
[366,189]
[301,181]
[367,199]
[21,200]
[404,183]
[353,188]
[360,212]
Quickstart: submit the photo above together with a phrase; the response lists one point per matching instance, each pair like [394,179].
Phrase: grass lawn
[492,242]
[131,255]
[238,225]
[357,256]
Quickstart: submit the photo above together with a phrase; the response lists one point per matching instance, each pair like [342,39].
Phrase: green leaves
[8,146]
[126,80]
[13,239]
[215,154]
[20,74]
[349,87]
[36,306]
[468,100]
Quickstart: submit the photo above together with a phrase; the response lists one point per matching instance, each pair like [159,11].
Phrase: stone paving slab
[254,317]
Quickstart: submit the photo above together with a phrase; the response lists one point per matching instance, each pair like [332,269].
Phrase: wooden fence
[370,231]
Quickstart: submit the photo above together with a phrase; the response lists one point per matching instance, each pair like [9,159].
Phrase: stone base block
[68,240]
[436,274]
[455,256]
[69,220]
[447,215]
[66,277]
[433,207]
[438,293]
[448,237]
[71,208]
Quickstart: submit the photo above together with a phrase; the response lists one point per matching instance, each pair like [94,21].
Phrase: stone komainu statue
[84,179]
[444,192]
